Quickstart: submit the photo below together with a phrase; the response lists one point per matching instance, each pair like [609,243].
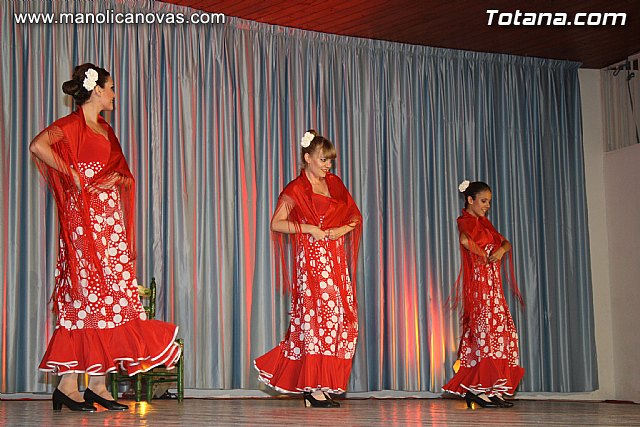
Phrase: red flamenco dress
[318,349]
[488,352]
[101,324]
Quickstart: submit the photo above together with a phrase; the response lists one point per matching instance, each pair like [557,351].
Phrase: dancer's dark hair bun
[75,88]
[473,189]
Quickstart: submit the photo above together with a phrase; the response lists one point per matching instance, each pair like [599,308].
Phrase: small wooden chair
[153,376]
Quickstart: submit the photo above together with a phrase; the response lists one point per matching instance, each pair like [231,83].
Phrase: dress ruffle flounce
[309,373]
[490,376]
[136,346]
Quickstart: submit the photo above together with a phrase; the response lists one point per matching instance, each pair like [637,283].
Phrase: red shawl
[66,136]
[342,210]
[480,232]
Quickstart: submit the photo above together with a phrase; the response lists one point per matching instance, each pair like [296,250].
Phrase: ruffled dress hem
[136,346]
[490,376]
[307,374]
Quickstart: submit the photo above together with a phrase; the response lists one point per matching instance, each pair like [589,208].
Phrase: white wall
[613,203]
[592,133]
[622,191]
[590,92]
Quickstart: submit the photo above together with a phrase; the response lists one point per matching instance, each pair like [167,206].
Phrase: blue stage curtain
[210,117]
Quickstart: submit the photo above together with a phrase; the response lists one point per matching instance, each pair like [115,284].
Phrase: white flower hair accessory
[463,186]
[306,139]
[90,80]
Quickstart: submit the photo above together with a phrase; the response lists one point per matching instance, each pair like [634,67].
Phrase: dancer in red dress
[101,324]
[325,225]
[488,352]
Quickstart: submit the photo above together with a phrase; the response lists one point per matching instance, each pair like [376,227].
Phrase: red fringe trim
[65,136]
[296,198]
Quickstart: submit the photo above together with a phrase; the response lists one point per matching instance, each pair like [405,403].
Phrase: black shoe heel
[310,401]
[334,404]
[472,398]
[501,402]
[57,405]
[111,405]
[59,398]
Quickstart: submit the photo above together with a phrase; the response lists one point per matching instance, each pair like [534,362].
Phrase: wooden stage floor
[354,412]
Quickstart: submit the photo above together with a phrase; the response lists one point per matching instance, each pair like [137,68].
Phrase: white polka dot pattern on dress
[492,333]
[96,308]
[318,325]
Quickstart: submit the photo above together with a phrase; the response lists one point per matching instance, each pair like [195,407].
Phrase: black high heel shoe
[59,398]
[334,404]
[112,405]
[473,398]
[500,401]
[310,401]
